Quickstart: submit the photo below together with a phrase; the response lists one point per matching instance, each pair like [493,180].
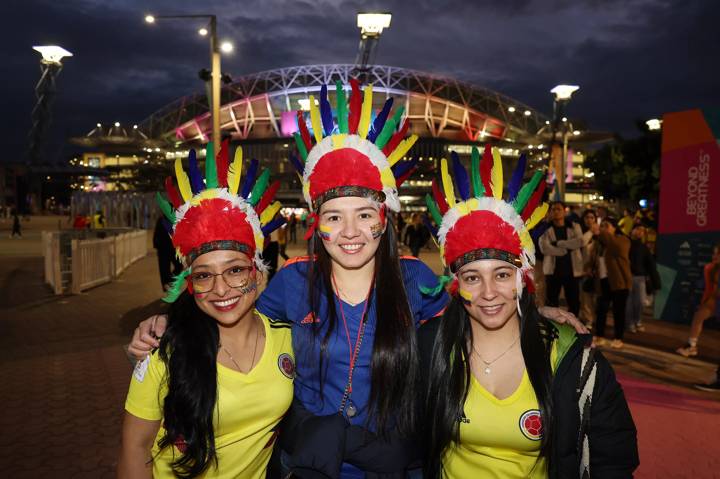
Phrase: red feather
[534,201]
[401,180]
[396,138]
[355,107]
[222,163]
[267,197]
[172,193]
[486,165]
[439,198]
[304,133]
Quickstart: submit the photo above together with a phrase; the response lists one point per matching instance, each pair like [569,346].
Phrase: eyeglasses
[234,277]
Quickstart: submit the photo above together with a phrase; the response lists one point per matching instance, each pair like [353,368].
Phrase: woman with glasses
[208,400]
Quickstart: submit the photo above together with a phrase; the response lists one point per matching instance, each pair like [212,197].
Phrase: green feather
[433,209]
[434,291]
[165,207]
[211,177]
[342,111]
[477,186]
[177,286]
[526,192]
[260,186]
[300,145]
[389,129]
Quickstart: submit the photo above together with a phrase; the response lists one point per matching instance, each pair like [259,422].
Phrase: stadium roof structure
[264,105]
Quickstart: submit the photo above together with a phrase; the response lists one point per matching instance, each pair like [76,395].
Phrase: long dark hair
[394,366]
[449,378]
[189,348]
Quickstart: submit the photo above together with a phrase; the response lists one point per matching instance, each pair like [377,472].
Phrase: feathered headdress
[218,213]
[480,224]
[356,157]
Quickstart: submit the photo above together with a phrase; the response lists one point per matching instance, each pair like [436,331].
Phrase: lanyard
[353,352]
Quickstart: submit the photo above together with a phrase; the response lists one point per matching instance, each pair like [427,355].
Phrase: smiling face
[488,290]
[224,285]
[351,228]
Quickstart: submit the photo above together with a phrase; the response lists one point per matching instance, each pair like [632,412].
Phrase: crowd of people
[601,264]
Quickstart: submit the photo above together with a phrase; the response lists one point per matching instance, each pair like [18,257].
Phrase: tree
[628,170]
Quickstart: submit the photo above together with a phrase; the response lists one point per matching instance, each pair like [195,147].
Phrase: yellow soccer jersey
[249,408]
[499,438]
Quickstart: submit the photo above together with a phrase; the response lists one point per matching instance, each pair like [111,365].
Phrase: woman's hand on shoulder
[561,316]
[147,336]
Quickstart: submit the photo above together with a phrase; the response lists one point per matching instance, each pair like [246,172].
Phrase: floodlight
[373,23]
[52,53]
[564,92]
[654,124]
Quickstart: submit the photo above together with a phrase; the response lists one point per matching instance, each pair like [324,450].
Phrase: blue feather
[326,111]
[517,178]
[402,167]
[297,164]
[196,179]
[462,181]
[430,226]
[167,226]
[380,120]
[273,225]
[249,178]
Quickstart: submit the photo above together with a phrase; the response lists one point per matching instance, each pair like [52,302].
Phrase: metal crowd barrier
[79,260]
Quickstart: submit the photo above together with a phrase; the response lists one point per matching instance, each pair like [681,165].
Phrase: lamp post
[215,71]
[561,95]
[654,124]
[371,26]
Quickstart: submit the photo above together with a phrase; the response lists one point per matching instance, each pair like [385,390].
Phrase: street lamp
[654,124]
[215,71]
[371,26]
[561,95]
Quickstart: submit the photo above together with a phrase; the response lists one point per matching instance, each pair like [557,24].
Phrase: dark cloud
[632,58]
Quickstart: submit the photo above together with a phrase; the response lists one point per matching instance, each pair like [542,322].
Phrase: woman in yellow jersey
[510,394]
[208,401]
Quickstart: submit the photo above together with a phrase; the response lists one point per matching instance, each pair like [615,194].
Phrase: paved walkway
[64,375]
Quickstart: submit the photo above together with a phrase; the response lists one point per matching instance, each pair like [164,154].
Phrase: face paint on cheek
[377,230]
[465,296]
[324,232]
[248,289]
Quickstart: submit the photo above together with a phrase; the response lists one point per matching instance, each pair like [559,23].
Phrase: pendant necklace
[252,363]
[489,363]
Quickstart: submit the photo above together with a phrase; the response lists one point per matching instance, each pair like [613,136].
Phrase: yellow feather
[536,216]
[182,180]
[496,175]
[235,172]
[204,195]
[366,112]
[387,178]
[447,183]
[269,213]
[315,120]
[338,141]
[526,241]
[402,149]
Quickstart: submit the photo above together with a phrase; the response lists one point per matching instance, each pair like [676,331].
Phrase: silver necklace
[488,370]
[252,363]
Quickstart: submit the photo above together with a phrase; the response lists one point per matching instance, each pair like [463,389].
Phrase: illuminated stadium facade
[259,112]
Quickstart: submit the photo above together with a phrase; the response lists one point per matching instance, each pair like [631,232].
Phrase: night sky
[633,59]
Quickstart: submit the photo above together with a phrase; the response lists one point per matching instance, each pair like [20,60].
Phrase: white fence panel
[92,263]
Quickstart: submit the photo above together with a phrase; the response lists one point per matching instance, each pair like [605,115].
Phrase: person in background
[98,220]
[16,227]
[626,222]
[538,275]
[292,228]
[168,264]
[588,285]
[708,304]
[561,246]
[602,213]
[615,288]
[416,235]
[645,278]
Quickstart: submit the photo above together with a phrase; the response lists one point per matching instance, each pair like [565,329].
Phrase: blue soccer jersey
[286,300]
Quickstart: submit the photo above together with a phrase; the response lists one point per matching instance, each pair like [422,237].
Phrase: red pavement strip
[678,432]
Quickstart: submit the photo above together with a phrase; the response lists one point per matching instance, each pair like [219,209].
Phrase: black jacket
[612,434]
[642,263]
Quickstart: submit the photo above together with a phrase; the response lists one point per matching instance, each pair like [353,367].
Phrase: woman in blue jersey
[354,304]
